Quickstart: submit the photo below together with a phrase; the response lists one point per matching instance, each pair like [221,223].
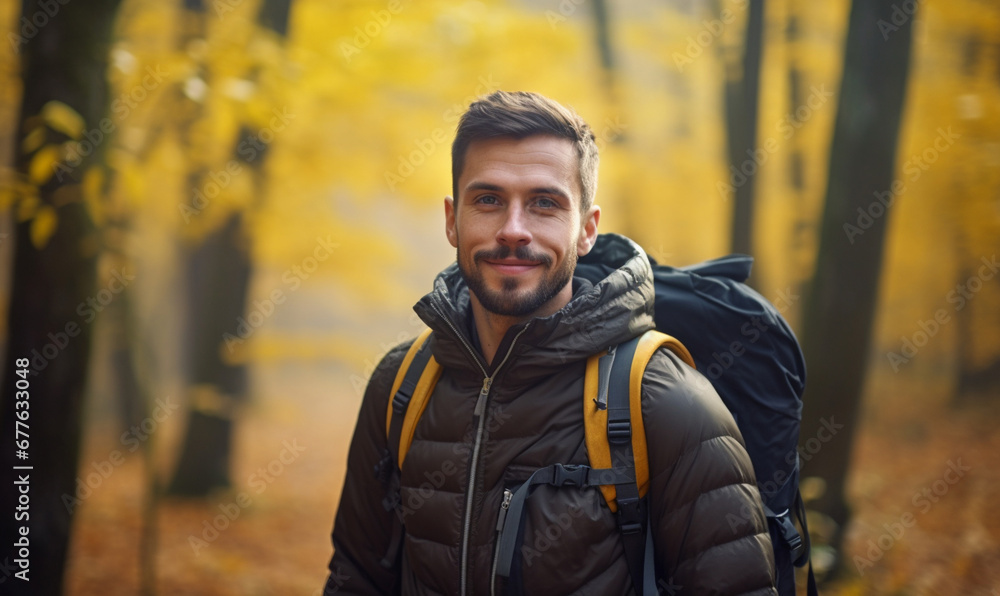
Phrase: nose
[514,231]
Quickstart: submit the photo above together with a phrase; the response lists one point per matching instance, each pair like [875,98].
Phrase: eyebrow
[539,190]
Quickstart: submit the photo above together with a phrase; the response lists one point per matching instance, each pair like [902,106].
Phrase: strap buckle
[630,515]
[619,431]
[401,399]
[791,536]
[569,475]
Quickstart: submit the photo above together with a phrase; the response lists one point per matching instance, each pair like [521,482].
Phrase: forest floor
[918,527]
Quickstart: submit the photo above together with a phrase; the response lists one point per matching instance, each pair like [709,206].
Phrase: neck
[492,327]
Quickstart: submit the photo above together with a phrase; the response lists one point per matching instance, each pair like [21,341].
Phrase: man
[512,329]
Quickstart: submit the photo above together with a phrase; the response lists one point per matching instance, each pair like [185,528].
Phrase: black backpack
[746,349]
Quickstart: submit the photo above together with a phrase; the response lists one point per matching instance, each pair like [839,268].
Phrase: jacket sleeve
[710,532]
[362,527]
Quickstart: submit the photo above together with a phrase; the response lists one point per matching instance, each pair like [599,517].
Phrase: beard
[509,301]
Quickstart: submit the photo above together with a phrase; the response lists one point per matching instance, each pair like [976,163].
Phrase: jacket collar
[611,303]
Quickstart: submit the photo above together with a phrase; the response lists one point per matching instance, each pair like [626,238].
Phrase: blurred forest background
[216,215]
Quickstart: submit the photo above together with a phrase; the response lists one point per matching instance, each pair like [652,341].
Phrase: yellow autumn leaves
[49,158]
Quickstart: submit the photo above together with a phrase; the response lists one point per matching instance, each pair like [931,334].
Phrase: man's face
[517,226]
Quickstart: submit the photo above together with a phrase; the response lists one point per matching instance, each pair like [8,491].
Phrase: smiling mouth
[512,266]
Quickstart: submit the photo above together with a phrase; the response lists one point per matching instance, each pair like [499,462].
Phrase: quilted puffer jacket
[487,428]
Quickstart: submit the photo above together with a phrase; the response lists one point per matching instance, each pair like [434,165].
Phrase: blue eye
[488,200]
[546,203]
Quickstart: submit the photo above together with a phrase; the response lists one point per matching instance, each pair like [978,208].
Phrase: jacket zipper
[481,423]
[507,495]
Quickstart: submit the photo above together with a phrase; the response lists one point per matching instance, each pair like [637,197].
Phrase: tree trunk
[219,275]
[126,355]
[840,304]
[741,98]
[63,58]
[602,36]
[976,378]
[796,160]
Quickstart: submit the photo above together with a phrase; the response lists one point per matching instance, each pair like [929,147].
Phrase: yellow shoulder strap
[418,403]
[596,419]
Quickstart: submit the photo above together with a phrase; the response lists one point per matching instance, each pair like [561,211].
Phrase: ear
[588,231]
[449,221]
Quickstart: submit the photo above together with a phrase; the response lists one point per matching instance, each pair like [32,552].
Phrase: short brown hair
[519,115]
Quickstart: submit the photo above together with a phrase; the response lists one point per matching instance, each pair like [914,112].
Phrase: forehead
[539,160]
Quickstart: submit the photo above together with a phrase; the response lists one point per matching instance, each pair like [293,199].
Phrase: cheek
[478,227]
[572,238]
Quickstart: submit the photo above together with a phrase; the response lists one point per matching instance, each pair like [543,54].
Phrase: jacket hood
[612,302]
